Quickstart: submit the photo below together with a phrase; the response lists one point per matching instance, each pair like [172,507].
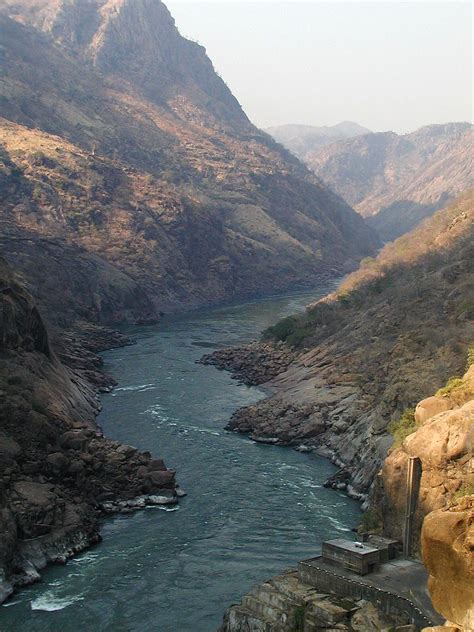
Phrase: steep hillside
[302,140]
[119,139]
[58,473]
[396,181]
[394,331]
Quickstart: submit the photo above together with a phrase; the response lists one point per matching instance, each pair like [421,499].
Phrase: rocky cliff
[441,436]
[448,552]
[395,181]
[58,474]
[120,142]
[395,329]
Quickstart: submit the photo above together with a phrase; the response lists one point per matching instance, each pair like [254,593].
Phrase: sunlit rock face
[448,552]
[443,443]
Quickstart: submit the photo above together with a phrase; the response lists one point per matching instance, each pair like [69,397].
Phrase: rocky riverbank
[58,473]
[252,364]
[439,434]
[393,332]
[285,604]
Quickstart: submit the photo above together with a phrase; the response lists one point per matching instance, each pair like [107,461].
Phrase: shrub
[370,522]
[282,329]
[452,384]
[405,426]
[465,490]
[470,358]
[299,614]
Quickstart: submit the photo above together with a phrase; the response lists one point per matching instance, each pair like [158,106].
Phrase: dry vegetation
[404,320]
[165,180]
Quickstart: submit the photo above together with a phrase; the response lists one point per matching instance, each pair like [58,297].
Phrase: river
[251,511]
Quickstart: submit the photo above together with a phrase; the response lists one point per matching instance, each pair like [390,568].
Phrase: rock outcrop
[254,363]
[448,552]
[285,604]
[442,439]
[443,519]
[58,474]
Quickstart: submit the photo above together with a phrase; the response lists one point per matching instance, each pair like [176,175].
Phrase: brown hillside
[116,142]
[396,330]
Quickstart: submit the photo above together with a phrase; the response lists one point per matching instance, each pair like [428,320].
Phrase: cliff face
[448,553]
[394,329]
[119,139]
[442,438]
[443,523]
[136,41]
[57,472]
[396,181]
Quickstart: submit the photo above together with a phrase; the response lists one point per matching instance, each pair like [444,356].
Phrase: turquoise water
[251,510]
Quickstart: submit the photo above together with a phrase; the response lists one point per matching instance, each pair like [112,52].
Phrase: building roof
[352,547]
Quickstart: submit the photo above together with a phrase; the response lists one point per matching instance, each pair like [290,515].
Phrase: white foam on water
[83,559]
[162,507]
[139,388]
[201,430]
[49,602]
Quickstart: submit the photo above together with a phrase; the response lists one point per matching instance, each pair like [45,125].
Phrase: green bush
[370,522]
[299,614]
[465,490]
[470,358]
[452,384]
[403,427]
[282,329]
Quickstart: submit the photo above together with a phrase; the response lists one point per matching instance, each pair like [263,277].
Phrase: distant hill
[301,140]
[397,180]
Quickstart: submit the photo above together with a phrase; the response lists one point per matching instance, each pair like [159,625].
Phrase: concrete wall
[327,581]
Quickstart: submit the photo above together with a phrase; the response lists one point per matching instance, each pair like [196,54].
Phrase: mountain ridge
[194,204]
[394,180]
[302,139]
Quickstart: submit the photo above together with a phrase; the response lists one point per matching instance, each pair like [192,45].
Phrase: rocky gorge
[132,184]
[324,400]
[368,352]
[134,187]
[59,474]
[393,180]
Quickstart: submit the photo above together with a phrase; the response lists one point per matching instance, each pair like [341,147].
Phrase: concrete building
[388,548]
[354,556]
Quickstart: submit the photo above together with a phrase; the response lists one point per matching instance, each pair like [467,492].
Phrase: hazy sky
[386,65]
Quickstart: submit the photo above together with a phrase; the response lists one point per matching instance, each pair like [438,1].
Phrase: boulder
[448,553]
[370,619]
[73,440]
[156,465]
[327,613]
[58,461]
[161,479]
[430,407]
